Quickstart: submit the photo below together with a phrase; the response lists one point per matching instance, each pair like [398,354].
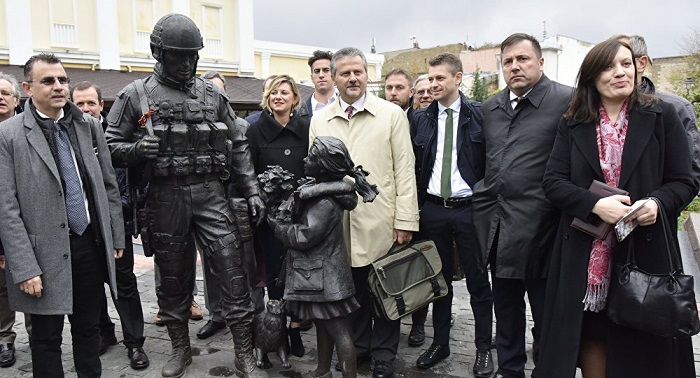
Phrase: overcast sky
[335,24]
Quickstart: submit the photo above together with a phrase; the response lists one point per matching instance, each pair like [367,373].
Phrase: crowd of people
[495,186]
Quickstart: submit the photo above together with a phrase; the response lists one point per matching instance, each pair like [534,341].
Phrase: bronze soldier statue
[180,130]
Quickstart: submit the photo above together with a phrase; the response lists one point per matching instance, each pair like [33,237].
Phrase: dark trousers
[179,213]
[89,273]
[274,252]
[445,227]
[128,302]
[509,306]
[380,339]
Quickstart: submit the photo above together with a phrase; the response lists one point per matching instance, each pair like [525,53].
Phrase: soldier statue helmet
[179,34]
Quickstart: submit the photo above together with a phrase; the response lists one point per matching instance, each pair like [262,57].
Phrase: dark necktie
[350,111]
[517,102]
[75,201]
[446,174]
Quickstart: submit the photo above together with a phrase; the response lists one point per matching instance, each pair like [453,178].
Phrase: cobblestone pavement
[214,357]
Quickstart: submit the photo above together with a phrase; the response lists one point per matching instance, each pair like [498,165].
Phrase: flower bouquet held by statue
[318,276]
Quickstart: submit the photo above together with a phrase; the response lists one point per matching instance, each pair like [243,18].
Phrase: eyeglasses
[6,94]
[50,80]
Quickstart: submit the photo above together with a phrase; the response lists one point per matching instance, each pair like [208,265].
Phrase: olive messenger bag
[407,279]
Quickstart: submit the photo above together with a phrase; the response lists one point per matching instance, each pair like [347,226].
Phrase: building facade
[114,36]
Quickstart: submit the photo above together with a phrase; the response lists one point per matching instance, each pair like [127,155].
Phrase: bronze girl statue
[318,277]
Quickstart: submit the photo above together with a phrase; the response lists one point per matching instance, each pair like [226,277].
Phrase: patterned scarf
[610,138]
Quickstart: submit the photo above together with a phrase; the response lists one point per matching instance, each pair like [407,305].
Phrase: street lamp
[689,81]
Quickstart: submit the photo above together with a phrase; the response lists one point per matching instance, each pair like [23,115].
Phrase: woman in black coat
[279,137]
[614,134]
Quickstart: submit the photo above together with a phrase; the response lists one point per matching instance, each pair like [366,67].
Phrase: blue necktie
[75,201]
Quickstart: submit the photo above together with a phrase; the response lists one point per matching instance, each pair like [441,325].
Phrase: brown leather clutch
[598,228]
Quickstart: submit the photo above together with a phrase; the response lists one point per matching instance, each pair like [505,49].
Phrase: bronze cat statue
[270,334]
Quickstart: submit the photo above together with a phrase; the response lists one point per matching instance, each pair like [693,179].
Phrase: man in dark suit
[449,149]
[324,86]
[61,225]
[88,97]
[515,224]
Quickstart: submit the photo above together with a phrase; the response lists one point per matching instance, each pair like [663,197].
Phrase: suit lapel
[84,139]
[640,129]
[36,139]
[584,137]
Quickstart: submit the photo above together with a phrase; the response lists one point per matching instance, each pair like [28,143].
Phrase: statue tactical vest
[191,141]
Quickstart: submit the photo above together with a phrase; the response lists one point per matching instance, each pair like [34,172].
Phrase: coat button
[566,236]
[649,236]
[60,194]
[65,256]
[63,225]
[287,152]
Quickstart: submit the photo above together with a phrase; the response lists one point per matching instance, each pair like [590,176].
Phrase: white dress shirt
[75,163]
[460,188]
[359,105]
[316,105]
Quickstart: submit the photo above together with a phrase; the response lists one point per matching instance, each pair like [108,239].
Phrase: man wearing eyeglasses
[61,222]
[9,101]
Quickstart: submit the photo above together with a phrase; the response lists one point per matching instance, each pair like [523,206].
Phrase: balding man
[683,107]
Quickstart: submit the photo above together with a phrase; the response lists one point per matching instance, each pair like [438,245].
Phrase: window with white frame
[63,23]
[211,31]
[144,14]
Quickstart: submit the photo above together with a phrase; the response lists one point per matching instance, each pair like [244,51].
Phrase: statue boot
[181,355]
[243,350]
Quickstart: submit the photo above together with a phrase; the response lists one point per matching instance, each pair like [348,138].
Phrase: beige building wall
[139,16]
[297,68]
[665,70]
[484,59]
[86,22]
[40,24]
[3,31]
[258,65]
[371,71]
[74,31]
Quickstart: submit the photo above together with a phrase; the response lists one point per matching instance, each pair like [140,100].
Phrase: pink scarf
[611,141]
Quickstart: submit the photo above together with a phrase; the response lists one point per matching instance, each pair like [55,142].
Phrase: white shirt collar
[315,103]
[454,106]
[359,105]
[42,115]
[514,97]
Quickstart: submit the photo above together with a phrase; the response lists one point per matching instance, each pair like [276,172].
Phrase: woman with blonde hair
[279,137]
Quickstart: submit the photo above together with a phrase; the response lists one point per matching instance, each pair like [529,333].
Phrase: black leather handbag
[660,304]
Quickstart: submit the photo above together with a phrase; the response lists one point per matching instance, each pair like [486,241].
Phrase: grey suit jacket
[33,220]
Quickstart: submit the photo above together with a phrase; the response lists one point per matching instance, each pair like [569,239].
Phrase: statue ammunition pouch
[239,207]
[188,149]
[192,142]
[406,280]
[143,231]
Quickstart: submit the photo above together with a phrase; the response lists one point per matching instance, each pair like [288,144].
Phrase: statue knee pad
[170,286]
